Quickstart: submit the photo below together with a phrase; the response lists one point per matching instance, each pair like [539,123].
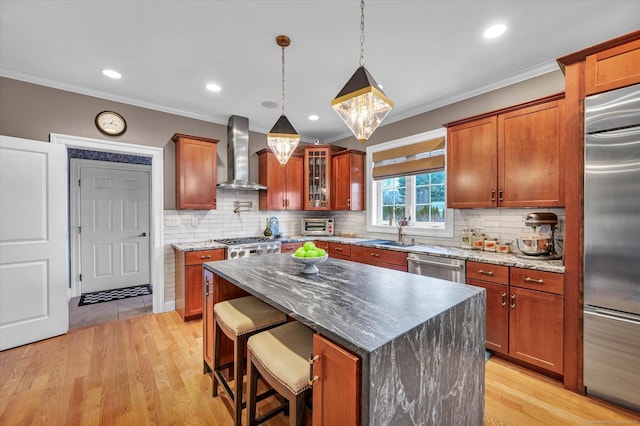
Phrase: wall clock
[111,123]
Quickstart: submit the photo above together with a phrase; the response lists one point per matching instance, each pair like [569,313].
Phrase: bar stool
[280,357]
[239,319]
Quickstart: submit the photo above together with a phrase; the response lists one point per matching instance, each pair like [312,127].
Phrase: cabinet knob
[338,249]
[483,272]
[513,301]
[503,299]
[206,257]
[493,195]
[500,194]
[533,280]
[206,286]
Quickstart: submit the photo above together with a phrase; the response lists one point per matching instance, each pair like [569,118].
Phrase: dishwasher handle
[459,266]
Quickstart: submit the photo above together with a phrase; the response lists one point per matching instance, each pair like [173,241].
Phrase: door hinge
[79,229]
[78,182]
[80,277]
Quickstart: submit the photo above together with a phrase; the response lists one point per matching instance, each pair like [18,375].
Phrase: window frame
[373,204]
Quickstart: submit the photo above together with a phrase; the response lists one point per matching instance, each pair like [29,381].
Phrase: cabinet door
[535,328]
[295,183]
[193,292]
[497,330]
[207,320]
[613,68]
[531,156]
[195,173]
[472,153]
[272,174]
[336,393]
[317,175]
[347,185]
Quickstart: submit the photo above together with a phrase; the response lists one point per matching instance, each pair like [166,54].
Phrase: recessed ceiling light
[495,31]
[212,87]
[270,104]
[313,117]
[112,73]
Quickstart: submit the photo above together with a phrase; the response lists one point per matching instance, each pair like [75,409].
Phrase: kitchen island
[420,340]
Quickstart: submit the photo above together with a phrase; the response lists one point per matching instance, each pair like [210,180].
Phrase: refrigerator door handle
[614,315]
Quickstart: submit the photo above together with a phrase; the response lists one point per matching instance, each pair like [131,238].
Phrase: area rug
[487,355]
[115,294]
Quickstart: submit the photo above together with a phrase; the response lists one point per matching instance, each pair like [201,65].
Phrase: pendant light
[361,104]
[283,138]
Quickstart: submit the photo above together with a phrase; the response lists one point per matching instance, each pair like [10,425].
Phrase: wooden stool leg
[217,335]
[252,391]
[296,413]
[238,354]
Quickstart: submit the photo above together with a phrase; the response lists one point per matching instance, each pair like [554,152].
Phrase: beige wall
[33,112]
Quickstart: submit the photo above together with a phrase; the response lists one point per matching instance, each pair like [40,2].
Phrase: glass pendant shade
[362,105]
[283,139]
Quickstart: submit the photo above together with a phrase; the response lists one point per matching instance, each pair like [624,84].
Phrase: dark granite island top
[420,339]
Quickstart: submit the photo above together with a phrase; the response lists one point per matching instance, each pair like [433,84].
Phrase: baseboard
[169,306]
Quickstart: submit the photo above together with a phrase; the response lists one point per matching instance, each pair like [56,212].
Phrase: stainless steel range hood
[238,156]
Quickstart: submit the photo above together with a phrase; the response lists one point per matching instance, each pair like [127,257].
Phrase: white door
[33,241]
[114,227]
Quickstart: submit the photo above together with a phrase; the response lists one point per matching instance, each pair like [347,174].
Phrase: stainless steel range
[249,246]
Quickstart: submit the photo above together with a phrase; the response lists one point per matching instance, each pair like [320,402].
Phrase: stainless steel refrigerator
[612,246]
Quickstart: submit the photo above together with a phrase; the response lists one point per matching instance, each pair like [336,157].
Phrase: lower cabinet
[188,278]
[290,247]
[335,250]
[524,313]
[336,391]
[380,257]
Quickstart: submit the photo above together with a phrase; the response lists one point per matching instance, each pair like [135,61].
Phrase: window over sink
[407,180]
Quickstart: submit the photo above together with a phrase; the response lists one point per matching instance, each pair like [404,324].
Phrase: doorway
[156,206]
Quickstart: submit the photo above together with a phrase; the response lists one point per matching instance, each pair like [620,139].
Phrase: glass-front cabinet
[317,168]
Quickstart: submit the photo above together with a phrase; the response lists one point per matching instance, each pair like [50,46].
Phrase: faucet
[399,225]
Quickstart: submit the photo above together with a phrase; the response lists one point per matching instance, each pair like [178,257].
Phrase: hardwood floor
[148,370]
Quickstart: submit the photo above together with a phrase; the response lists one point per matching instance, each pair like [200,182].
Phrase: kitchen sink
[389,243]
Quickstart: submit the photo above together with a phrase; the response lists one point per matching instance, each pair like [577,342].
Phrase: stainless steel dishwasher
[437,267]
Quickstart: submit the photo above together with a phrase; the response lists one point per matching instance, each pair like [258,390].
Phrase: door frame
[75,242]
[156,205]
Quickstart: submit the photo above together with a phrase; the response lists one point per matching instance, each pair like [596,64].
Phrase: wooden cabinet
[510,158]
[339,250]
[317,177]
[380,257]
[336,392]
[216,289]
[195,172]
[188,278]
[535,321]
[285,182]
[495,280]
[524,313]
[347,180]
[472,164]
[290,247]
[613,68]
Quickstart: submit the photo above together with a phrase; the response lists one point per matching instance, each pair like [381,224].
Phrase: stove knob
[259,251]
[241,253]
[233,254]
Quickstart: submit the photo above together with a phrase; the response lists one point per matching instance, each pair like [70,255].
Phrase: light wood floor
[148,370]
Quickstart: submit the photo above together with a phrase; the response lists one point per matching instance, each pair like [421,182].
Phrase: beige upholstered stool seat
[281,356]
[239,319]
[247,314]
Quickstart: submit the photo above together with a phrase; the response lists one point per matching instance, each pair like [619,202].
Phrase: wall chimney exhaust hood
[238,156]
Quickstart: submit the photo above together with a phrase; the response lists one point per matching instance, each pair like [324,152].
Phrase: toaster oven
[317,226]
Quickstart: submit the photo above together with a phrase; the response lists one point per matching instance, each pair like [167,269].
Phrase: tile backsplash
[181,226]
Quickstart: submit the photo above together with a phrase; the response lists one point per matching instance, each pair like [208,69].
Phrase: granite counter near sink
[420,339]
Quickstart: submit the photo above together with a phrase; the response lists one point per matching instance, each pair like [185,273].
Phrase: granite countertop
[359,306]
[198,245]
[509,259]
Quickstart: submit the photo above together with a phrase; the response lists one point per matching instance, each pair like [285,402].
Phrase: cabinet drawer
[380,255]
[549,282]
[291,247]
[340,249]
[488,272]
[321,244]
[201,256]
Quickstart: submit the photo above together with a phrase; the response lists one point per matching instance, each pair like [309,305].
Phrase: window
[408,180]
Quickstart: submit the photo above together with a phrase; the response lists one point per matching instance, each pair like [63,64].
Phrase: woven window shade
[420,157]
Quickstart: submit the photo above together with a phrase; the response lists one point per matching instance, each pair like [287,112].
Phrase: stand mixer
[541,243]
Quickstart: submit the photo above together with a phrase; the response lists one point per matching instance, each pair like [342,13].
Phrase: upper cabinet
[195,172]
[509,158]
[613,68]
[284,182]
[347,184]
[317,177]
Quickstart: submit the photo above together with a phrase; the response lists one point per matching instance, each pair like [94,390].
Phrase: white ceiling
[426,53]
